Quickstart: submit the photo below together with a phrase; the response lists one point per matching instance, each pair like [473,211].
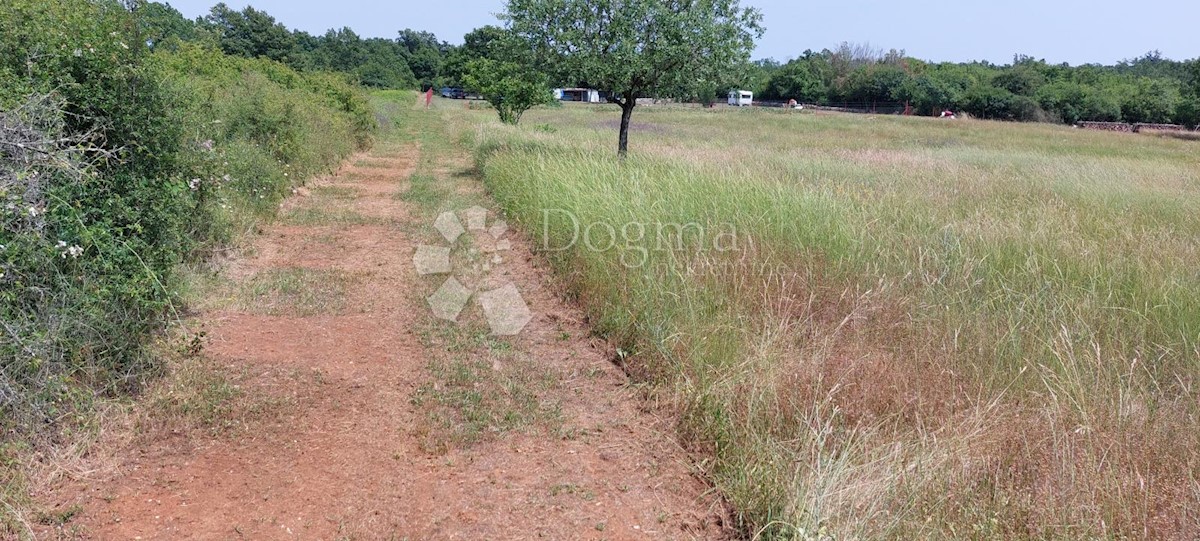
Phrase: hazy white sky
[1075,31]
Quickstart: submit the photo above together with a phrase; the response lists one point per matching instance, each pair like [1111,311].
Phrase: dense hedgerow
[117,163]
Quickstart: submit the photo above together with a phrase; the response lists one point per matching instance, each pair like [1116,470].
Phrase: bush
[1150,100]
[997,103]
[93,217]
[510,87]
[118,163]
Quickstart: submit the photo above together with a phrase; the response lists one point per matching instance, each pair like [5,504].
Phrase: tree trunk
[626,114]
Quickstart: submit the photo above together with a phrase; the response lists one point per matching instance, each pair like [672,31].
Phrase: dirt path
[394,424]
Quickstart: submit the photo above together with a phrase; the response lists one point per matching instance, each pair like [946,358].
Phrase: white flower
[73,251]
[194,184]
[33,212]
[77,52]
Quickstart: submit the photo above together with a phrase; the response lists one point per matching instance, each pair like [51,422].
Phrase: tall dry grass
[927,329]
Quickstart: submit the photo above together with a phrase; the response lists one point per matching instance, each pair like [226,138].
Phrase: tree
[1150,100]
[873,83]
[1022,80]
[1192,72]
[1064,99]
[929,95]
[803,79]
[160,22]
[989,102]
[481,42]
[761,72]
[510,87]
[251,33]
[424,54]
[636,49]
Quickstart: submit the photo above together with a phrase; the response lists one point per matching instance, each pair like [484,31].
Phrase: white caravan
[741,98]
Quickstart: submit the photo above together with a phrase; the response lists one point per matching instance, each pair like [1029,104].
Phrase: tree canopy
[1145,89]
[647,48]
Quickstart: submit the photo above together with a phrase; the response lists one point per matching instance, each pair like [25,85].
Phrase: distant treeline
[413,59]
[1148,89]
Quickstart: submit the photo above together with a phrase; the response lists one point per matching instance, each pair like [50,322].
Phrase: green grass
[423,190]
[443,164]
[294,291]
[327,216]
[924,329]
[197,394]
[335,193]
[479,389]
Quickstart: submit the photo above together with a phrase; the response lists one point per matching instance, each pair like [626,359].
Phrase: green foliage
[161,23]
[1000,104]
[503,72]
[636,49]
[251,33]
[92,218]
[117,162]
[929,94]
[1064,99]
[802,79]
[1022,80]
[375,62]
[873,83]
[1148,89]
[510,87]
[424,55]
[412,59]
[1150,100]
[483,42]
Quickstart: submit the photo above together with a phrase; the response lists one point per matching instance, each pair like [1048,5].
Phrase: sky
[1073,31]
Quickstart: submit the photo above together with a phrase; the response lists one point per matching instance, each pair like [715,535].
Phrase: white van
[741,98]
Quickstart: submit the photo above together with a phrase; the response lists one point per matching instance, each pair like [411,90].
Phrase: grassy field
[882,327]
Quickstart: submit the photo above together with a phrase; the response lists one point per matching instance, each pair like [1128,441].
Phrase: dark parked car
[453,92]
